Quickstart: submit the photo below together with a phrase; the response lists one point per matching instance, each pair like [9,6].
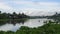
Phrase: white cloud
[37,12]
[39,6]
[5,8]
[32,8]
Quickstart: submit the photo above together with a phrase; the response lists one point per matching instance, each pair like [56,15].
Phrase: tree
[14,15]
[56,13]
[0,12]
[23,15]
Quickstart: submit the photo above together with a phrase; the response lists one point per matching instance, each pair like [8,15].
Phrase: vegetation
[13,18]
[55,17]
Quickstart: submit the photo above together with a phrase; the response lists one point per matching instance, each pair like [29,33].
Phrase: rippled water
[30,23]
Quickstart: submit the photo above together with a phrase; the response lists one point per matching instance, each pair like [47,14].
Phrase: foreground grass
[45,29]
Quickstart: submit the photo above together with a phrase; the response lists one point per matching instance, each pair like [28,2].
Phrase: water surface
[30,23]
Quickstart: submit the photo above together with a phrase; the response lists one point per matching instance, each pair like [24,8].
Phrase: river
[30,23]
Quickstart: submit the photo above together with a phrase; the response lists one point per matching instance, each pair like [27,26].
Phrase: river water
[30,23]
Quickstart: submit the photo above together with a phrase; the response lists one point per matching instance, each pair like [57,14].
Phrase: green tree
[0,12]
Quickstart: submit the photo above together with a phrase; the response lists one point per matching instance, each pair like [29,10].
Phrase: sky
[30,7]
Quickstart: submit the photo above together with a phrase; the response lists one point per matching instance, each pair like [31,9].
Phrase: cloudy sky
[30,7]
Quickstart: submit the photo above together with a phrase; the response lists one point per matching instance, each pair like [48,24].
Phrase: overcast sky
[30,7]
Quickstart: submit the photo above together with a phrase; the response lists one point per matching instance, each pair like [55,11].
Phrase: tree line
[12,16]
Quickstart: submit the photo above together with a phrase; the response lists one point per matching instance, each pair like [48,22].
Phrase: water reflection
[30,23]
[11,21]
